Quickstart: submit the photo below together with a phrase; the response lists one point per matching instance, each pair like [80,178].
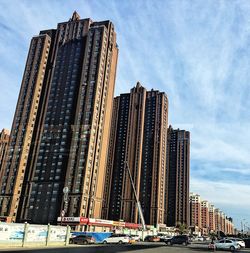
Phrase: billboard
[11,231]
[58,233]
[37,233]
[14,232]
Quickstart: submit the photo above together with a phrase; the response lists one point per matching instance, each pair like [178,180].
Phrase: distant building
[60,130]
[138,136]
[195,210]
[178,173]
[217,219]
[4,140]
[229,226]
[212,218]
[222,222]
[205,217]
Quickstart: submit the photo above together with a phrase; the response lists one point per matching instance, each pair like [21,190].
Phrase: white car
[239,241]
[137,238]
[200,239]
[227,244]
[117,238]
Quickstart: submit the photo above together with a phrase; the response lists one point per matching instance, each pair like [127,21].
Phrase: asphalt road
[134,248]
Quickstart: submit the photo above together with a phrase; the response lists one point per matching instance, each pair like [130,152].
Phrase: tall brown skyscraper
[138,136]
[178,170]
[61,126]
[23,126]
[4,140]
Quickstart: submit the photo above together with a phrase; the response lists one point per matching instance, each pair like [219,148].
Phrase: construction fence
[24,234]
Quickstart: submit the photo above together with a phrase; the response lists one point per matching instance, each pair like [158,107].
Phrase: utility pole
[65,203]
[242,228]
[136,197]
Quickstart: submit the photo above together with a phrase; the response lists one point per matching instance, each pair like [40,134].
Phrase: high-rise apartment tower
[60,131]
[138,136]
[177,182]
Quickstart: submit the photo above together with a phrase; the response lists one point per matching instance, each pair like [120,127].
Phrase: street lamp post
[241,223]
[65,203]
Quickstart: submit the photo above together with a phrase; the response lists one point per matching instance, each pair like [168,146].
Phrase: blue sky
[197,52]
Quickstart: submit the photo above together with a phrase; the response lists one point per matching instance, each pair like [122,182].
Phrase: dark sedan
[179,239]
[152,238]
[82,239]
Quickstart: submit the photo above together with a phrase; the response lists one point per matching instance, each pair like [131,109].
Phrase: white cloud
[222,192]
[221,142]
[244,171]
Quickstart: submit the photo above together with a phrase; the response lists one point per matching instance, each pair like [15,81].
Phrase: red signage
[131,225]
[97,222]
[84,221]
[100,222]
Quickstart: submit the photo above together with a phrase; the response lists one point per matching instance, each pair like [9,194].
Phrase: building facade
[23,126]
[177,179]
[229,226]
[211,218]
[205,217]
[195,210]
[4,140]
[217,219]
[222,222]
[138,137]
[68,84]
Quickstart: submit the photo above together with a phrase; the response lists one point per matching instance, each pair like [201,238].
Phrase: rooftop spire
[75,16]
[138,85]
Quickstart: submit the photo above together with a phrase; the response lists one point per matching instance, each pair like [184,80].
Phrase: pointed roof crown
[138,85]
[75,16]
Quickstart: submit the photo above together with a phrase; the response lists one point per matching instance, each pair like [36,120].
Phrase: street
[113,248]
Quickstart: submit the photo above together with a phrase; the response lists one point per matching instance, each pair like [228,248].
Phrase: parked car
[82,239]
[178,239]
[137,238]
[163,237]
[239,241]
[206,238]
[200,239]
[117,238]
[227,244]
[152,238]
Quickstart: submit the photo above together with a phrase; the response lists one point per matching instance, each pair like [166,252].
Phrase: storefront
[98,225]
